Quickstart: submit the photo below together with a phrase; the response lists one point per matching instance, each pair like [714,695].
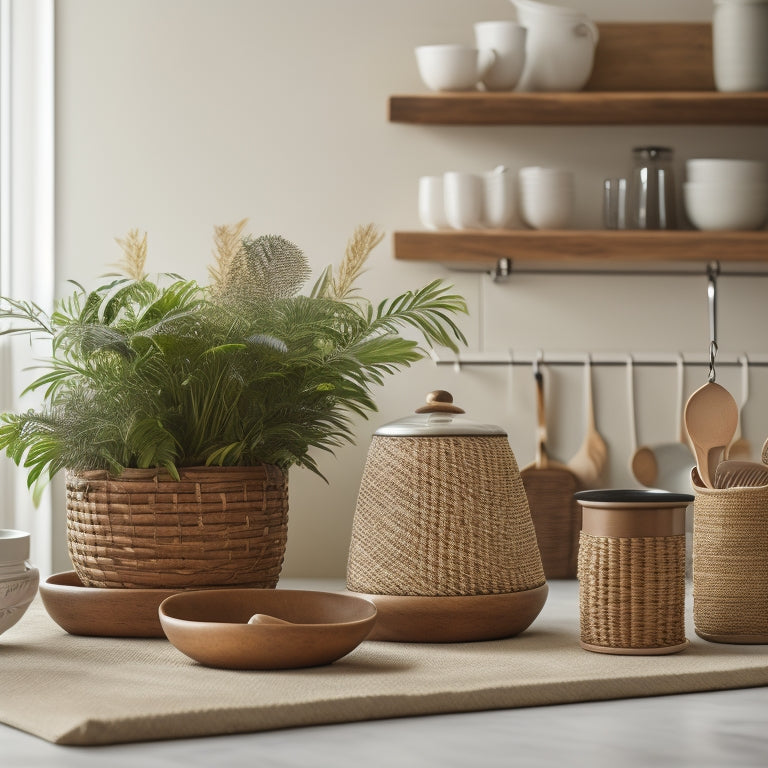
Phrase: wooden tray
[454,619]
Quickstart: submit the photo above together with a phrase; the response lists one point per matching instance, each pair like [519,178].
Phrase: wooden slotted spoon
[589,461]
[711,417]
[732,474]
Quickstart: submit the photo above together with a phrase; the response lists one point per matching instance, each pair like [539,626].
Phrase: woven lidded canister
[730,563]
[631,571]
[442,511]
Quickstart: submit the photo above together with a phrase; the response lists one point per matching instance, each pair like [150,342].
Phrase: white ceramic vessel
[507,40]
[546,197]
[740,45]
[560,47]
[452,67]
[18,579]
[464,196]
[432,202]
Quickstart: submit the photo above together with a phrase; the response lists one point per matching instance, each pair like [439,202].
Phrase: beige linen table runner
[82,690]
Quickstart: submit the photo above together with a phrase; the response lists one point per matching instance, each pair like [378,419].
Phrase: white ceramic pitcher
[560,47]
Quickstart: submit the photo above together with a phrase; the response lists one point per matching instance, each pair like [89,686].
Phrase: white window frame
[26,226]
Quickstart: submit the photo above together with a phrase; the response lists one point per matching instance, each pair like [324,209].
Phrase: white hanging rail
[472,359]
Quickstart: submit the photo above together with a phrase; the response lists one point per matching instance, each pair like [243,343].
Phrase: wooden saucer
[100,612]
[455,619]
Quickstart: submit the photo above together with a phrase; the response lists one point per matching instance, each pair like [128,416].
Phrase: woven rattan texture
[442,516]
[730,561]
[216,526]
[632,591]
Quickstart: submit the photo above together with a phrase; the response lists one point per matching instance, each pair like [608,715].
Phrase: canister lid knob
[439,401]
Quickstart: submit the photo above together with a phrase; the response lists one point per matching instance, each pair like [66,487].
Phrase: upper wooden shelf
[484,248]
[585,108]
[643,74]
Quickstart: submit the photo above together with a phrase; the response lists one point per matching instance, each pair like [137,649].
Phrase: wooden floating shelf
[486,247]
[643,74]
[583,108]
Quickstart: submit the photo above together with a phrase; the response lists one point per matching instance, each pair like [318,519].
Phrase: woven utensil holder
[730,563]
[440,516]
[216,526]
[631,572]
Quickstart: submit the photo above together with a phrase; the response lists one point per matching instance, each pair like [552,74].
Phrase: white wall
[176,115]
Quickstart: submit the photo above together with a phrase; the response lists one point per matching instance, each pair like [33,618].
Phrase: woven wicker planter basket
[730,563]
[216,526]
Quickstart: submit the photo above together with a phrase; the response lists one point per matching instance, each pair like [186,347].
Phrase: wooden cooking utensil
[764,453]
[264,618]
[711,416]
[740,448]
[733,473]
[589,462]
[550,487]
[642,462]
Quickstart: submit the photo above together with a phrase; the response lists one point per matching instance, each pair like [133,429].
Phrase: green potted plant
[176,409]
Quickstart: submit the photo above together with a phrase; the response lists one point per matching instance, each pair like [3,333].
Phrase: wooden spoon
[730,474]
[542,459]
[265,618]
[642,462]
[711,417]
[589,462]
[740,448]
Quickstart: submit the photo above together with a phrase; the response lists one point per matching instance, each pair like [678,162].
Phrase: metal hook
[537,361]
[713,270]
[712,355]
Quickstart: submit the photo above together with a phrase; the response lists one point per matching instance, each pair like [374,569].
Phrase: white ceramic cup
[507,39]
[452,67]
[546,197]
[740,45]
[463,200]
[499,198]
[431,202]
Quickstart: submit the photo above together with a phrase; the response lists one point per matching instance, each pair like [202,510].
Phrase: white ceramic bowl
[726,206]
[726,171]
[451,67]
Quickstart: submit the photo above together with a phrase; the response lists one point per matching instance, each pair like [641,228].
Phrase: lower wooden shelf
[485,247]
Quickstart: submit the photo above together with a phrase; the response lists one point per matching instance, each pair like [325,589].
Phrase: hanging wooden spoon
[642,462]
[740,448]
[711,417]
[589,462]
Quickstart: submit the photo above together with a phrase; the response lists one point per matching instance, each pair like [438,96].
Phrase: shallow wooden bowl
[102,612]
[212,627]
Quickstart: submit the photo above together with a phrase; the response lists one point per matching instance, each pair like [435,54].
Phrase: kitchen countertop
[719,728]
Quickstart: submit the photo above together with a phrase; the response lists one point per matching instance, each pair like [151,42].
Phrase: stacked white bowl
[722,193]
[546,197]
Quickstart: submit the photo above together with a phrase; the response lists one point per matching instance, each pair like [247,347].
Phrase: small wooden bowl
[211,627]
[101,612]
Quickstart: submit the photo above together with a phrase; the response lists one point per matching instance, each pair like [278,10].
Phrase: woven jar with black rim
[215,526]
